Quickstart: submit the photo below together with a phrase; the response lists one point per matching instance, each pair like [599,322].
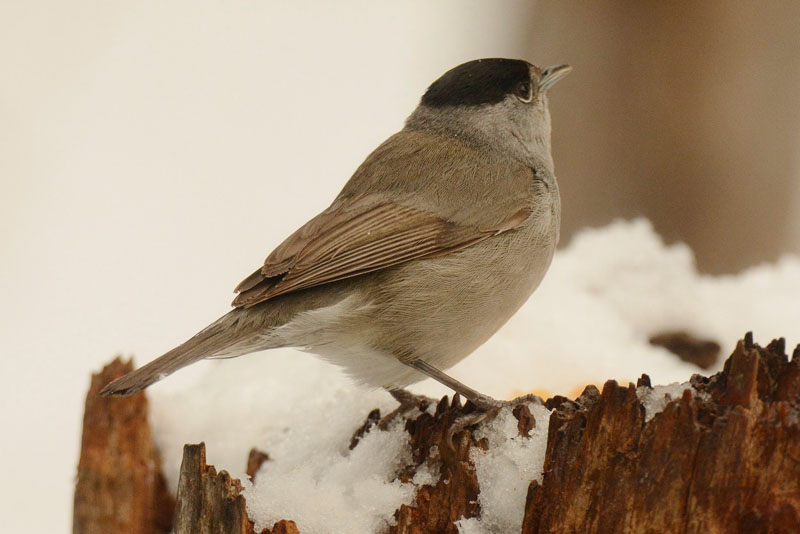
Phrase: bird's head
[499,103]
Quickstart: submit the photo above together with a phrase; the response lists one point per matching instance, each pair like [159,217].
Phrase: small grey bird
[434,243]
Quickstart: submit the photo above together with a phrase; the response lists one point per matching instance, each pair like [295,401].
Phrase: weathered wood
[455,494]
[208,502]
[726,460]
[282,527]
[211,502]
[255,460]
[120,487]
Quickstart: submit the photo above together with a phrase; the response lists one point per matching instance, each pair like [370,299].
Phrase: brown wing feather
[351,239]
[371,226]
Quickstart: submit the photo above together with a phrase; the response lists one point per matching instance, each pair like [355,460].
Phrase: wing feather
[381,236]
[373,224]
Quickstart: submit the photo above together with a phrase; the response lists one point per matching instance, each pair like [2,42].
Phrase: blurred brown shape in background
[685,112]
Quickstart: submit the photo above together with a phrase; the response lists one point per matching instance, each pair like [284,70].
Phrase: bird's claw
[484,408]
[408,402]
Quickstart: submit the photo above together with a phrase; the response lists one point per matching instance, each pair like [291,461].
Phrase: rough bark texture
[211,502]
[726,460]
[119,486]
[455,495]
[208,502]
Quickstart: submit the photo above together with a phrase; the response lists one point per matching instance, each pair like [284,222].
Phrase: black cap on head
[482,81]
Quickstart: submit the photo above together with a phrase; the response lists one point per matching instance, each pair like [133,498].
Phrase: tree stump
[211,502]
[723,458]
[120,487]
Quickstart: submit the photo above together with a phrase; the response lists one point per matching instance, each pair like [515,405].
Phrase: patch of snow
[304,421]
[470,526]
[506,470]
[655,399]
[428,473]
[334,491]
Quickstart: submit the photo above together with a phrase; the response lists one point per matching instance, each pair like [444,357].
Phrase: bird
[436,240]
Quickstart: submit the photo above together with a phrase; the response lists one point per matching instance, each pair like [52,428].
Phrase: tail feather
[213,339]
[238,332]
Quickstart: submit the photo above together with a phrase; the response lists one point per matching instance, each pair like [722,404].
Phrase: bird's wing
[357,236]
[392,210]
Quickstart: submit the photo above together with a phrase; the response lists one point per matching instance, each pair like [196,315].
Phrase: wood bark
[723,458]
[120,487]
[455,494]
[211,502]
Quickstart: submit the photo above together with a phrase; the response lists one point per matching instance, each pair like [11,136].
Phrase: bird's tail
[212,340]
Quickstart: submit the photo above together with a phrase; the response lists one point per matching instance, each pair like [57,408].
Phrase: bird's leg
[408,402]
[486,405]
[483,402]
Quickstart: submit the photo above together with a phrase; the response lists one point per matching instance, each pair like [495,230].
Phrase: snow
[506,469]
[334,487]
[428,472]
[606,293]
[303,417]
[655,399]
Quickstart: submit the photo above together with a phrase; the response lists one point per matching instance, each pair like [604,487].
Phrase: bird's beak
[551,75]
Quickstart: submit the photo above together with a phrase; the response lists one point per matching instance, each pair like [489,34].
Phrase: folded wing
[357,236]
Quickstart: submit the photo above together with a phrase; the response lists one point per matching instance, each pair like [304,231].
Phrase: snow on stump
[722,457]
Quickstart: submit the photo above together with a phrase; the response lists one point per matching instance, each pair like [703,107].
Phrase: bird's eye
[523,92]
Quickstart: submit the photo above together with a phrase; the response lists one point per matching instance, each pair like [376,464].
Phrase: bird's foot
[483,408]
[408,403]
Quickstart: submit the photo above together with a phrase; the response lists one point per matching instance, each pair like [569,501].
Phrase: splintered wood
[119,486]
[455,495]
[211,502]
[723,458]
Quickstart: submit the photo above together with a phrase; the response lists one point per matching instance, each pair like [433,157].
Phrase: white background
[152,154]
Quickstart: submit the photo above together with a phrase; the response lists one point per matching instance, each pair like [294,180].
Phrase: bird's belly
[440,310]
